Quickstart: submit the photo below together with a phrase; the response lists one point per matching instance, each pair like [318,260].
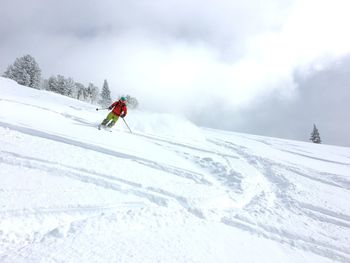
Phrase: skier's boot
[111,124]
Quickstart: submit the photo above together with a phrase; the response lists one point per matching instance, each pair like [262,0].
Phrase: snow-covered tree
[44,84]
[132,102]
[105,95]
[69,87]
[62,85]
[81,91]
[25,71]
[56,84]
[92,92]
[53,85]
[315,136]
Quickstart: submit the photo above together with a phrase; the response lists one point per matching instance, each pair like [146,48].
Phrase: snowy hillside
[169,192]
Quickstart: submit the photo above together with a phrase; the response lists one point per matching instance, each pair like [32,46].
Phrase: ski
[104,128]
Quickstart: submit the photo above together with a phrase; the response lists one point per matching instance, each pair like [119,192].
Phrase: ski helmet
[123,99]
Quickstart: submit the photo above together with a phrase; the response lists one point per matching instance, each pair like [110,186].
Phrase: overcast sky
[221,63]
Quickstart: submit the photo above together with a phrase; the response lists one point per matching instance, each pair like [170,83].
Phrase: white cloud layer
[178,55]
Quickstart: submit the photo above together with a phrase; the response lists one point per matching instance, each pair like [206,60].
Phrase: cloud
[188,57]
[322,98]
[164,49]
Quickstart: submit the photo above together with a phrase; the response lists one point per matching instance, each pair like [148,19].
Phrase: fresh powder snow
[168,192]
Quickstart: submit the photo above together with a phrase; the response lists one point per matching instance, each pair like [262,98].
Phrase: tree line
[26,71]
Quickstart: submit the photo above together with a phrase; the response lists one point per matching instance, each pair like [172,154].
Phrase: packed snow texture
[168,192]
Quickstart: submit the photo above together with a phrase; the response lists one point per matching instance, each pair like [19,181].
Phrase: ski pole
[101,109]
[127,125]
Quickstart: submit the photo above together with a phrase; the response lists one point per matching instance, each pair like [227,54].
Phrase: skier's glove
[122,116]
[110,107]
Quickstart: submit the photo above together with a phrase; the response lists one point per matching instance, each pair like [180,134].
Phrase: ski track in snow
[224,173]
[281,191]
[263,199]
[157,196]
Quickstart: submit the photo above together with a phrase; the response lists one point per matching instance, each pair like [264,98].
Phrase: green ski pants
[110,120]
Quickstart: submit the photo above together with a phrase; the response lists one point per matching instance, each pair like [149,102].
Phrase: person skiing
[119,109]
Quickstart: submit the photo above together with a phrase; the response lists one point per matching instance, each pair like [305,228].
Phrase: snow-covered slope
[169,192]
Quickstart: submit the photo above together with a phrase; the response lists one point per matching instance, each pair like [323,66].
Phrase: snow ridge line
[50,110]
[321,249]
[182,145]
[157,196]
[336,181]
[91,178]
[296,151]
[266,167]
[70,209]
[198,178]
[314,158]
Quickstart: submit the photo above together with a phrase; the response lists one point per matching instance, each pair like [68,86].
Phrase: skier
[119,109]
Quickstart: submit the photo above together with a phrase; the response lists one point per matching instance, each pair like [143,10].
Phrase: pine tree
[92,92]
[105,95]
[315,136]
[81,91]
[44,84]
[25,71]
[69,87]
[53,85]
[63,86]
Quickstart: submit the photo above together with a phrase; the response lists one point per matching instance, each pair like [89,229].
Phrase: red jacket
[119,108]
